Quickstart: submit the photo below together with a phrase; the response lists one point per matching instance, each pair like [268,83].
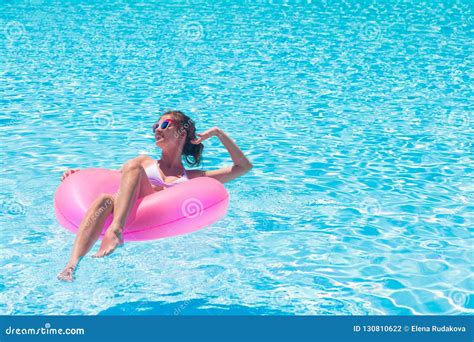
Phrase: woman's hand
[241,165]
[67,173]
[214,131]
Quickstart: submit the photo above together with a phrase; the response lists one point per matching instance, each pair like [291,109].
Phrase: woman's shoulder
[194,173]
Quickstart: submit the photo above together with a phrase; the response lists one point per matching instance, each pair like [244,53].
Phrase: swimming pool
[355,116]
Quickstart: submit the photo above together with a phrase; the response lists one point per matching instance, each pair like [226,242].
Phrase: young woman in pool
[175,134]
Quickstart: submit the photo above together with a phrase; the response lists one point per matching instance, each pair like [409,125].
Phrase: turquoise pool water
[355,115]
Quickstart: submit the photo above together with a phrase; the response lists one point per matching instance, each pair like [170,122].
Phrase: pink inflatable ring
[180,209]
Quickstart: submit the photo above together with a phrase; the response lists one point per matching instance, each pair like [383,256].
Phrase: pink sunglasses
[163,125]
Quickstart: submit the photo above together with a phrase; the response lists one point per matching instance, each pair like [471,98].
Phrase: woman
[175,134]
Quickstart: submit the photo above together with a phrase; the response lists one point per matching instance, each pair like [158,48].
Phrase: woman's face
[166,131]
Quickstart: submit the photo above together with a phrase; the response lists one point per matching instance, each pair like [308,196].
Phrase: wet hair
[192,153]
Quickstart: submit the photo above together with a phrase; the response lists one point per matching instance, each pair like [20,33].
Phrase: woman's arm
[143,159]
[241,164]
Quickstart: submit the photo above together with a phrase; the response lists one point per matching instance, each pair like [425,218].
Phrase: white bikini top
[155,179]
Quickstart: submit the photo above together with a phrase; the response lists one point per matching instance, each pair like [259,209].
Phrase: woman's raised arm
[241,164]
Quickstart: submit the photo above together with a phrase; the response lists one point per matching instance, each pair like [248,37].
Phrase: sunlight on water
[355,115]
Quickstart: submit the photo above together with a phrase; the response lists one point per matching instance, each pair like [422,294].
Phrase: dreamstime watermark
[434,266]
[368,207]
[192,31]
[108,201]
[207,282]
[181,307]
[14,30]
[316,61]
[183,128]
[12,207]
[54,47]
[458,119]
[282,121]
[459,298]
[281,297]
[46,330]
[308,129]
[430,159]
[371,206]
[192,208]
[103,119]
[102,297]
[370,31]
[180,59]
[349,135]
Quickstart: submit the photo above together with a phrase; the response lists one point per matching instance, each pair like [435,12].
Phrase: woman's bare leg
[88,233]
[134,184]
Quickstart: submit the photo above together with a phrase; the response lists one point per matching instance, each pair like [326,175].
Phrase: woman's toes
[66,276]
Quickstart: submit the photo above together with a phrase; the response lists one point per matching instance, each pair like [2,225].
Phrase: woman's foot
[111,240]
[67,274]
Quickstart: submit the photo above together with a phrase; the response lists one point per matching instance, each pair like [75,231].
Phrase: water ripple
[355,117]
